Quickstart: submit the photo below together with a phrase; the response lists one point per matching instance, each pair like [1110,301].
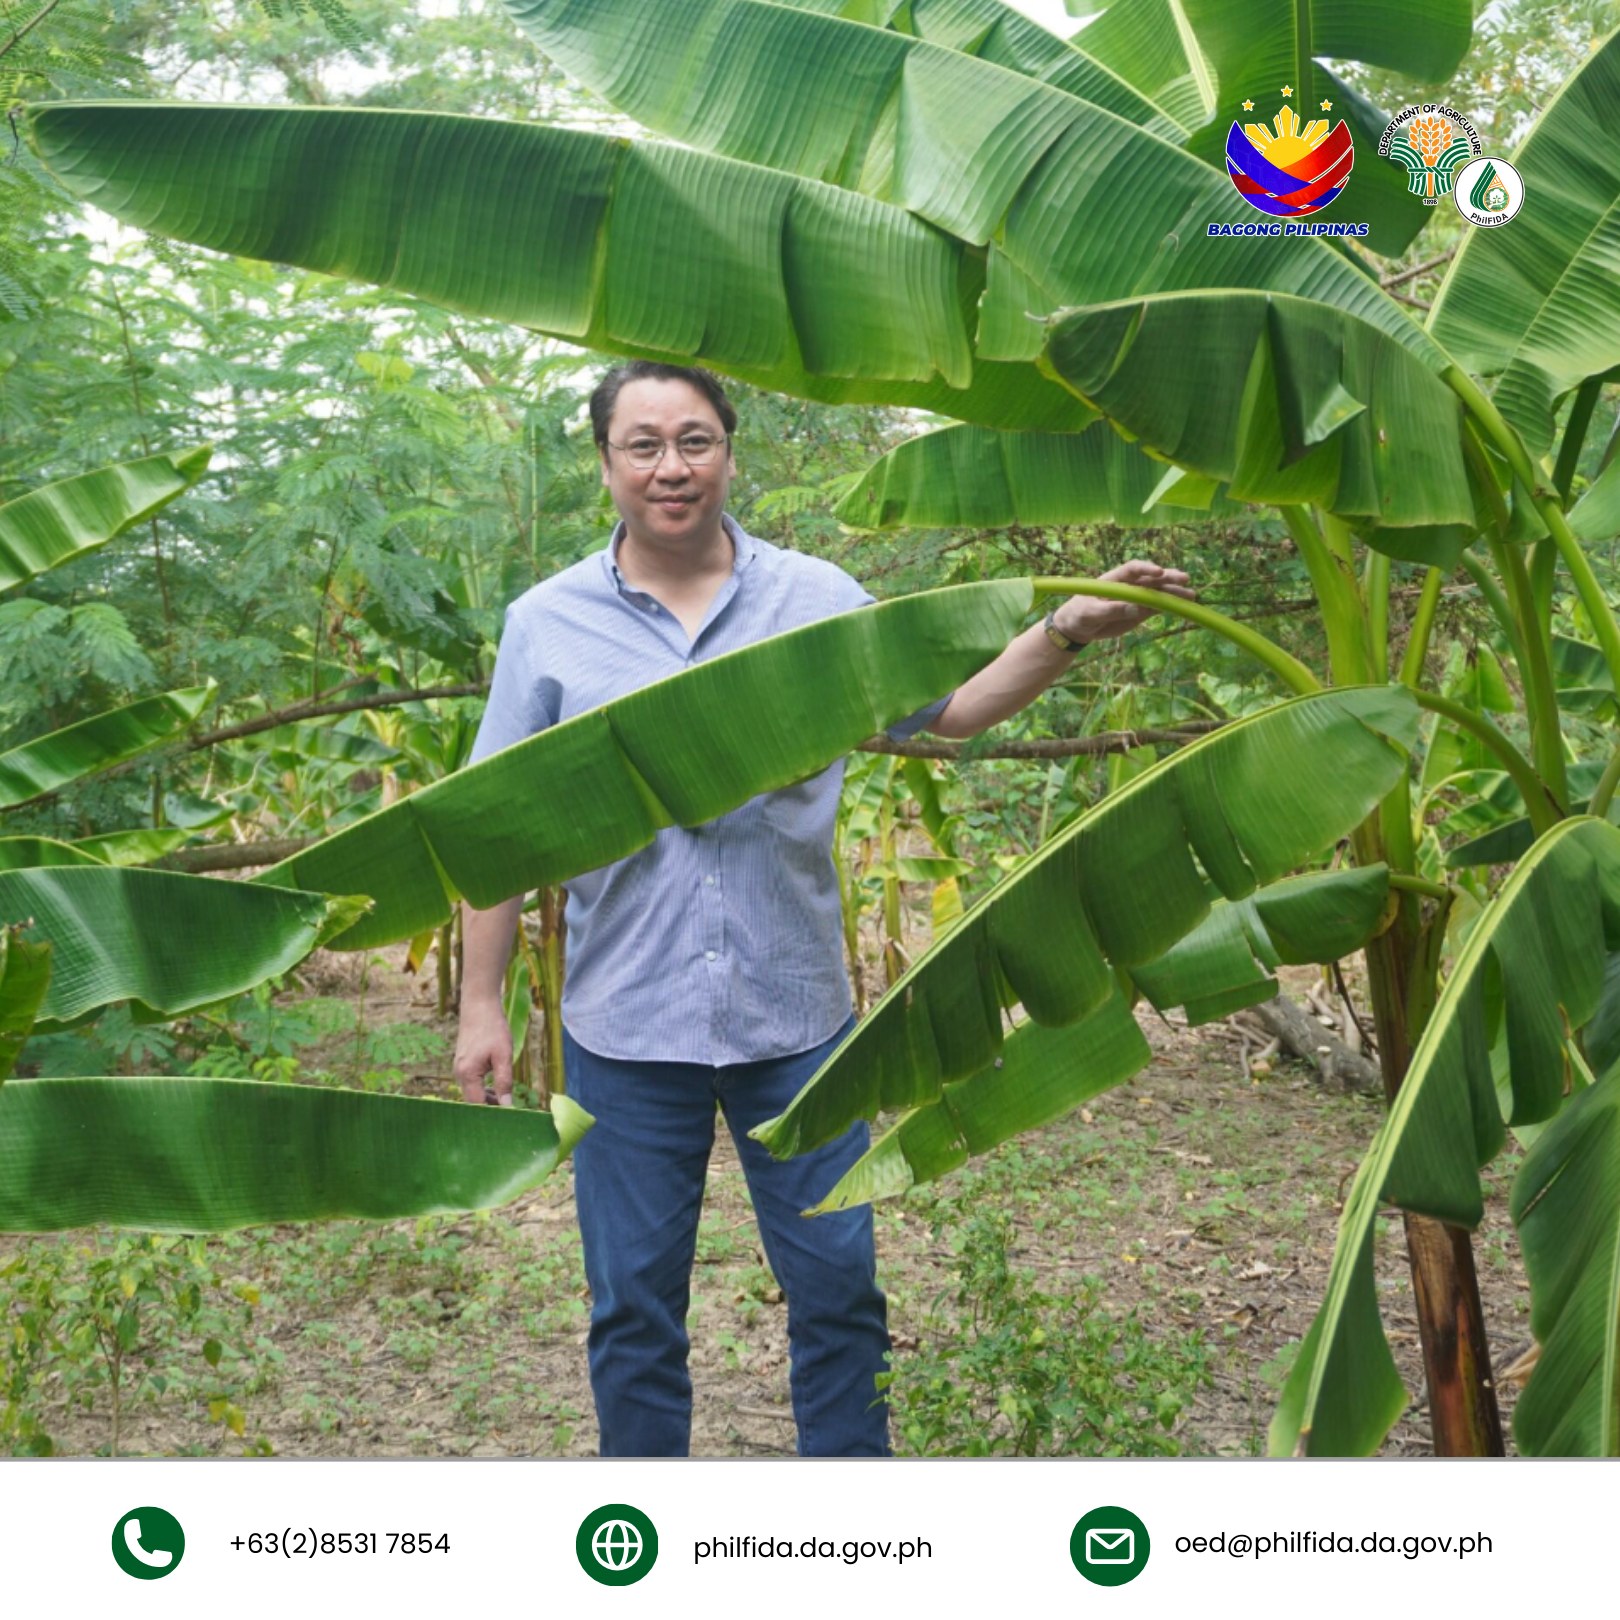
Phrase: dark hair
[606,394]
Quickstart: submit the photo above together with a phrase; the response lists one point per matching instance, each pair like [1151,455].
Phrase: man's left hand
[1094,618]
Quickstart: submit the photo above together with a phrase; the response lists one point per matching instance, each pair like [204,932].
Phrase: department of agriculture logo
[1489,191]
[616,1544]
[1289,170]
[1109,1546]
[148,1543]
[1431,142]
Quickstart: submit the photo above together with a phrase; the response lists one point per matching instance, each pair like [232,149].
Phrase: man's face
[671,501]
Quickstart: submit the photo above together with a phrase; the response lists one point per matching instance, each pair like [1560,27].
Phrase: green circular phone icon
[148,1543]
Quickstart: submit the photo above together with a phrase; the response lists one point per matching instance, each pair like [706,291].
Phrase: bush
[1008,1370]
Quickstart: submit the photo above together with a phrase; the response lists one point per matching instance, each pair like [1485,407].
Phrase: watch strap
[1057,637]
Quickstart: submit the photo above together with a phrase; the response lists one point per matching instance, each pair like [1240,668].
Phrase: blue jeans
[638,1183]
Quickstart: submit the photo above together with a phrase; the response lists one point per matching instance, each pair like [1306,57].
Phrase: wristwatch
[1057,637]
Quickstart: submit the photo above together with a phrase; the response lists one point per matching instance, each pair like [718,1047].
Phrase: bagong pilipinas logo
[1288,171]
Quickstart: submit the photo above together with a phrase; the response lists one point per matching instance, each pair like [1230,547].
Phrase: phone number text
[312,1543]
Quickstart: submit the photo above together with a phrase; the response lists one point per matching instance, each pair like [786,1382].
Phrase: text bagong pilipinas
[1291,227]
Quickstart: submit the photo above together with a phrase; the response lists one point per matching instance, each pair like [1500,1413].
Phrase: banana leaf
[1595,517]
[1117,888]
[135,846]
[165,942]
[204,1155]
[1566,1205]
[679,752]
[1227,961]
[869,50]
[1041,1074]
[25,972]
[998,33]
[994,158]
[60,521]
[1151,45]
[646,250]
[1533,966]
[16,853]
[1292,402]
[1536,304]
[1513,835]
[50,762]
[971,477]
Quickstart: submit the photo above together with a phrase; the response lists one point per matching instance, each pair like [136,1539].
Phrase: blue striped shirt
[716,944]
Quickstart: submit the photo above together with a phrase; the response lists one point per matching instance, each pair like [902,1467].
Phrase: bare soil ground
[1206,1202]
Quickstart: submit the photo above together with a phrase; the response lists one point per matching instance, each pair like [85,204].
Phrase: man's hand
[483,1048]
[1094,618]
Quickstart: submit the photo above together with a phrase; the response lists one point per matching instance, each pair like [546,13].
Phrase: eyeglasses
[695,449]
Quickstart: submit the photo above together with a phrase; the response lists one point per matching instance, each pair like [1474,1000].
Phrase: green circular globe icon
[617,1544]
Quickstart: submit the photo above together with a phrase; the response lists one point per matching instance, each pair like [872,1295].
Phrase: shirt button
[709,955]
[709,879]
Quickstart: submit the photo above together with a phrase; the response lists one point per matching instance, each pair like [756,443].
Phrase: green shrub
[1006,1369]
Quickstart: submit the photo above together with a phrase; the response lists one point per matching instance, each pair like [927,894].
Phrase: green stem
[1283,665]
[1497,603]
[1544,813]
[1417,643]
[1532,648]
[1485,413]
[1417,885]
[1375,590]
[1580,419]
[1333,578]
[1303,77]
[1598,804]
[1540,694]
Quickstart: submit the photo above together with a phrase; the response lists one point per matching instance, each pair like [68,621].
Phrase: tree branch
[1102,742]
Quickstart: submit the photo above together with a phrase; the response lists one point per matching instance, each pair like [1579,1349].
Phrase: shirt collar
[744,548]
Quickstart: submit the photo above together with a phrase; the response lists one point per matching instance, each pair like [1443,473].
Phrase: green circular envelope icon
[1109,1546]
[617,1544]
[148,1543]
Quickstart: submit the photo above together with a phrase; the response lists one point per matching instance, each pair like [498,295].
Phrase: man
[707,968]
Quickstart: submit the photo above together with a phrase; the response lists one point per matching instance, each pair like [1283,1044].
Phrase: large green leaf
[1532,968]
[16,853]
[197,1155]
[1536,303]
[164,941]
[1076,204]
[1151,45]
[629,249]
[679,752]
[700,92]
[50,762]
[972,477]
[25,972]
[67,519]
[1041,1074]
[1292,401]
[1595,517]
[1566,1204]
[998,33]
[1227,961]
[1118,887]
